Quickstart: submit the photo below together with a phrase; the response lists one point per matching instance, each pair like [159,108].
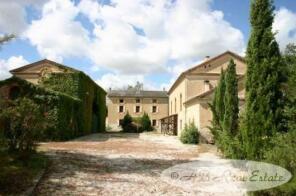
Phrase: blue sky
[116,43]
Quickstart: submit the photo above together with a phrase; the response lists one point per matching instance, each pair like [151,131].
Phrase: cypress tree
[219,102]
[263,81]
[217,106]
[230,122]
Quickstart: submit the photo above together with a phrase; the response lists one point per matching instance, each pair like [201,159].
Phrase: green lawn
[16,175]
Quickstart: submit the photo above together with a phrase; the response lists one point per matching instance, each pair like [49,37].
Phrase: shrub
[23,124]
[127,124]
[283,154]
[190,134]
[146,123]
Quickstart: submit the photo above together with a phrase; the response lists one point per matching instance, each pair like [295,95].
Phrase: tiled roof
[135,93]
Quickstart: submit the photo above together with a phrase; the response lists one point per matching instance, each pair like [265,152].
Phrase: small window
[121,101]
[153,123]
[138,109]
[154,101]
[138,101]
[121,109]
[154,109]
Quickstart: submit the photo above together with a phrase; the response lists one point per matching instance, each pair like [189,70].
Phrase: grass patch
[17,175]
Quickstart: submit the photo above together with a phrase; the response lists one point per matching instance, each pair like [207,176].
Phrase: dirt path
[117,164]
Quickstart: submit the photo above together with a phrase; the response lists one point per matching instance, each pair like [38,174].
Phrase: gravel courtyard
[117,164]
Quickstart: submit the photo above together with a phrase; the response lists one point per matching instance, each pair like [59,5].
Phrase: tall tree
[230,122]
[217,108]
[263,81]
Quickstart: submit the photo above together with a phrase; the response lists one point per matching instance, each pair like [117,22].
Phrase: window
[153,123]
[154,101]
[121,108]
[120,122]
[180,102]
[138,108]
[121,101]
[138,101]
[180,124]
[171,107]
[175,105]
[154,109]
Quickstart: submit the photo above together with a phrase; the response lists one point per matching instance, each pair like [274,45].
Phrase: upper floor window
[138,109]
[154,109]
[138,101]
[154,101]
[181,102]
[121,101]
[121,108]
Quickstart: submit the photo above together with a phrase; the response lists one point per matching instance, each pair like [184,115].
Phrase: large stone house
[73,99]
[193,90]
[136,102]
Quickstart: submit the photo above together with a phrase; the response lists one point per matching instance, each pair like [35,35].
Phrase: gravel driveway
[117,164]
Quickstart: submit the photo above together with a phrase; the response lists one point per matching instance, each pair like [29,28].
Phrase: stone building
[78,103]
[136,102]
[193,90]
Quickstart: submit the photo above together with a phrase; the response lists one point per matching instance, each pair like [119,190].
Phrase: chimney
[207,58]
[163,89]
[110,89]
[207,85]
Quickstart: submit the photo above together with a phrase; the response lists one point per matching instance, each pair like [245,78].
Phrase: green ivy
[75,104]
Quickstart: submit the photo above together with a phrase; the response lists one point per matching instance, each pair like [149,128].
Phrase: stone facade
[193,90]
[154,103]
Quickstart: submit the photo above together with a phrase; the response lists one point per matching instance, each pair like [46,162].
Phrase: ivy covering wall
[75,104]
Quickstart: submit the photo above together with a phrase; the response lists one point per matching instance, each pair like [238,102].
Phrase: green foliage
[225,113]
[190,134]
[127,124]
[265,74]
[146,123]
[72,101]
[217,107]
[283,153]
[93,103]
[231,101]
[16,174]
[24,122]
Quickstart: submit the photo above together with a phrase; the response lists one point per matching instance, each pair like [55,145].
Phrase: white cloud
[285,26]
[56,34]
[9,64]
[133,36]
[179,30]
[13,15]
[120,81]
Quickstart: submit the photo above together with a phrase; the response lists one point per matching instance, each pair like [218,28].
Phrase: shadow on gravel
[93,170]
[97,137]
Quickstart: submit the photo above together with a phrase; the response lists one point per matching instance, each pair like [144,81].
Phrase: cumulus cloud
[146,34]
[56,34]
[119,81]
[285,26]
[9,64]
[133,36]
[13,15]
